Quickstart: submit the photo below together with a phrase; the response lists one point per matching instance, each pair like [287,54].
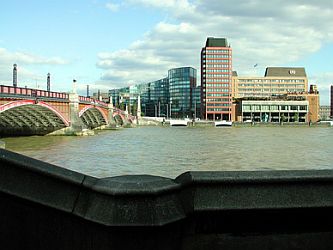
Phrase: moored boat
[178,122]
[223,123]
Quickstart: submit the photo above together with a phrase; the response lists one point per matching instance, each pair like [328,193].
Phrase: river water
[170,151]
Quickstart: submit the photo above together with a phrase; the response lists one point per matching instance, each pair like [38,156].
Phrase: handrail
[11,90]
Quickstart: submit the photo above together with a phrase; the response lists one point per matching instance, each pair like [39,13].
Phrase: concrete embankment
[43,206]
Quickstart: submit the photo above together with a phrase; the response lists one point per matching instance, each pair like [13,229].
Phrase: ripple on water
[169,151]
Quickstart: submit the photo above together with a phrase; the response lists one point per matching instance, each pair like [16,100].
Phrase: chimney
[15,75]
[48,82]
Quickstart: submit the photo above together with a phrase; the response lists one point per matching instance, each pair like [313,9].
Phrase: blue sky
[109,44]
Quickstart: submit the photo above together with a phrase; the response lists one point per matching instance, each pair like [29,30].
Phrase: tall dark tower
[88,91]
[48,82]
[15,75]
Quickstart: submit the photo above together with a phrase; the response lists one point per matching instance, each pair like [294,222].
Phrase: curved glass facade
[182,82]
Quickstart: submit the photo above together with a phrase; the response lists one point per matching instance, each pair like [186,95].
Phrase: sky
[111,44]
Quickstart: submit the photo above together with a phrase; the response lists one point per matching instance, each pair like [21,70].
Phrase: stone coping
[144,200]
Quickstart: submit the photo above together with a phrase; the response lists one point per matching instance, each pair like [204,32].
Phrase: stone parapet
[43,206]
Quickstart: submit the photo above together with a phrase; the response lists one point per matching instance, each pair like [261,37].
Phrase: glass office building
[176,95]
[182,82]
[157,93]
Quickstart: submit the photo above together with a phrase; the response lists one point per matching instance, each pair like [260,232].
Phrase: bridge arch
[119,116]
[93,116]
[27,117]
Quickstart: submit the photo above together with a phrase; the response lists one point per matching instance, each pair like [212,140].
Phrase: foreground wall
[43,206]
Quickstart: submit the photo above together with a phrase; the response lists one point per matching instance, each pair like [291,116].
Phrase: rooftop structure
[216,42]
[285,72]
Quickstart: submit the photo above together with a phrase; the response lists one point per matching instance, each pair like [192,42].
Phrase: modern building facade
[125,98]
[332,101]
[275,111]
[157,100]
[216,79]
[173,96]
[182,82]
[324,112]
[277,81]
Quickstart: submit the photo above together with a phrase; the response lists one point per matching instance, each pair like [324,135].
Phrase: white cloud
[323,81]
[113,7]
[27,58]
[25,61]
[270,33]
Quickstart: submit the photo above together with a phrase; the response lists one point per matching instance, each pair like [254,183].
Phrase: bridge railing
[91,100]
[13,91]
[28,92]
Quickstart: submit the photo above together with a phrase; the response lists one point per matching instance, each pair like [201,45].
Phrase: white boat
[178,122]
[223,123]
[330,123]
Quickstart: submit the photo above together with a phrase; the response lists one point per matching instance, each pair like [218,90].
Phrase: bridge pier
[111,120]
[76,123]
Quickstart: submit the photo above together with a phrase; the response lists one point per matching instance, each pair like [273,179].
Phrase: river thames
[170,151]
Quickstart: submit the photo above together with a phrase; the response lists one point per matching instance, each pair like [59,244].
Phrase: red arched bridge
[25,111]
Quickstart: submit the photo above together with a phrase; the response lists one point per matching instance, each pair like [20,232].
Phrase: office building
[324,112]
[277,81]
[216,79]
[289,109]
[332,101]
[174,96]
[182,81]
[157,100]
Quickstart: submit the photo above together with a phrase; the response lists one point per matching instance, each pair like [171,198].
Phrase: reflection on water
[169,151]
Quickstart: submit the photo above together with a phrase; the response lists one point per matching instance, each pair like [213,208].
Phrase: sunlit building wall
[216,79]
[277,81]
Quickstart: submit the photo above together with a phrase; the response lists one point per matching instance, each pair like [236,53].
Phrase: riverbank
[203,123]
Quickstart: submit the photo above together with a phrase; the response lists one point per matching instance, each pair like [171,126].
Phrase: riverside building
[156,103]
[278,110]
[332,101]
[288,86]
[324,112]
[182,82]
[216,79]
[175,96]
[277,81]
